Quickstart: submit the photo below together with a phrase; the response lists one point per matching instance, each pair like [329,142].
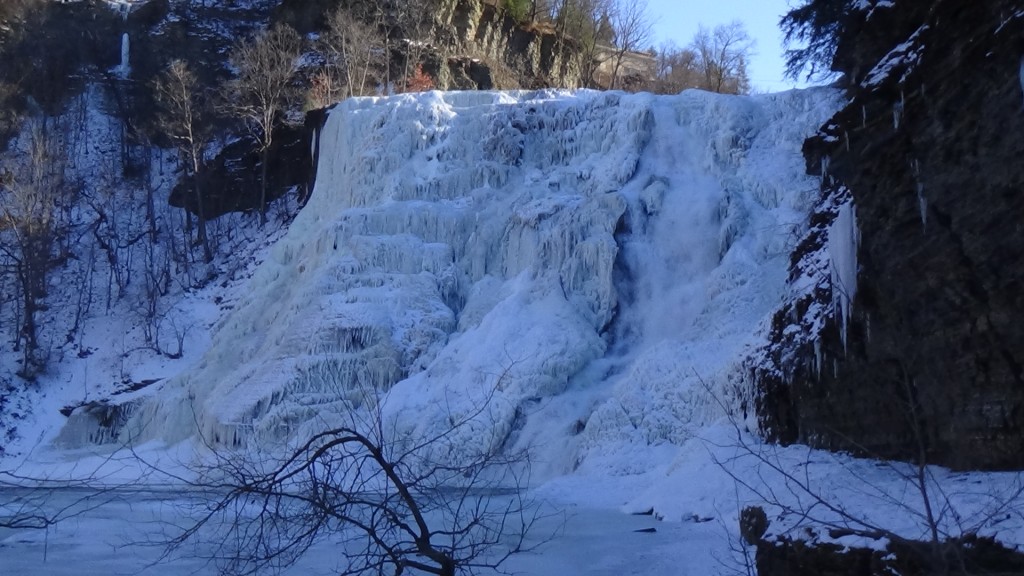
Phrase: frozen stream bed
[124,532]
[593,523]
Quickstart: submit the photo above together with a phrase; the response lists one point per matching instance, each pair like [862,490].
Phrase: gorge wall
[470,45]
[928,362]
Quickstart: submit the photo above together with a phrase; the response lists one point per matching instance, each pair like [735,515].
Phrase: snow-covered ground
[678,518]
[122,310]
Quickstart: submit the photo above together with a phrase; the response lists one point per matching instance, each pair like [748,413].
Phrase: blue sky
[678,20]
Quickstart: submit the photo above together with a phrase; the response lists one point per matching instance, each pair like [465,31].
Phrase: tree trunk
[615,71]
[29,364]
[197,187]
[264,155]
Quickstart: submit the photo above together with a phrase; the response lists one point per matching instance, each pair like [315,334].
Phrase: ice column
[124,68]
[1022,76]
[843,241]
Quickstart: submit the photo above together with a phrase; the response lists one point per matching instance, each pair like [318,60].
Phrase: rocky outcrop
[781,556]
[231,180]
[488,33]
[476,46]
[45,47]
[930,361]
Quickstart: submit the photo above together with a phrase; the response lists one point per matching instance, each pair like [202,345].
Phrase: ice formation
[843,242]
[1022,75]
[124,68]
[579,271]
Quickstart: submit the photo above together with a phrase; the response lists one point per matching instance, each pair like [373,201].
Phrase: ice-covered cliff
[583,271]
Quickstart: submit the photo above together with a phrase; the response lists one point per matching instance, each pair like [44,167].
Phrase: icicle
[863,116]
[1022,76]
[915,168]
[843,241]
[897,112]
[922,203]
[124,68]
[817,357]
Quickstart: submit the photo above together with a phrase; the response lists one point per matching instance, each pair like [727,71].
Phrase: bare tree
[587,24]
[675,70]
[526,11]
[414,21]
[29,502]
[263,88]
[184,117]
[31,201]
[540,10]
[722,56]
[113,229]
[631,28]
[356,50]
[400,503]
[398,515]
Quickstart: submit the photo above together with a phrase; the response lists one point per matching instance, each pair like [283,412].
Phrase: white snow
[871,6]
[1008,20]
[905,56]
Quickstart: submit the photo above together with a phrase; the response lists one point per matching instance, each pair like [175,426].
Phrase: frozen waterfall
[123,70]
[584,270]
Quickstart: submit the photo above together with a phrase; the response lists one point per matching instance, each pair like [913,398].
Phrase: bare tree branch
[722,56]
[263,88]
[184,117]
[399,504]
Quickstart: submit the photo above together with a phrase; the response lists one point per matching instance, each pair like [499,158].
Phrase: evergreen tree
[813,28]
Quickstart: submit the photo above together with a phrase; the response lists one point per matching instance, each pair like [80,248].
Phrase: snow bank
[581,272]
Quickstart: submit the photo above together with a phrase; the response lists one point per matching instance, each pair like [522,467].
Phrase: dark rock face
[753,524]
[44,47]
[929,148]
[231,182]
[782,556]
[475,45]
[470,74]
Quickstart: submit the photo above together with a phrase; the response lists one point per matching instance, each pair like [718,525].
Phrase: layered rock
[474,45]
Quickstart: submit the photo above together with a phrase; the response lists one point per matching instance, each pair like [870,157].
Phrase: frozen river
[126,531]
